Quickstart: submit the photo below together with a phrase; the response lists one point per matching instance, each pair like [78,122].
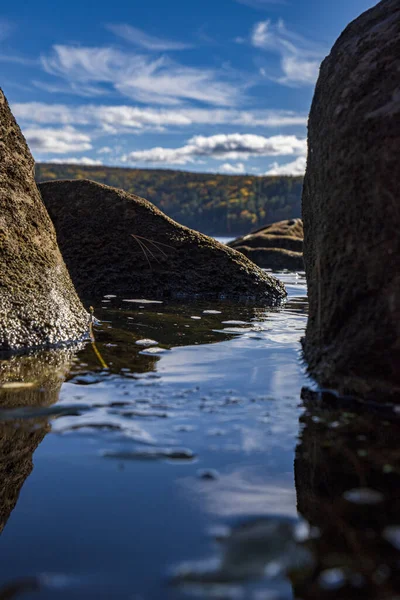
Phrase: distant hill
[214,204]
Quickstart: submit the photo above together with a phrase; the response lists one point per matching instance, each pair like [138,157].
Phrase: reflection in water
[25,381]
[347,472]
[122,325]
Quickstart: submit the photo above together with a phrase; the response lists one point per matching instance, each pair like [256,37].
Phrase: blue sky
[204,85]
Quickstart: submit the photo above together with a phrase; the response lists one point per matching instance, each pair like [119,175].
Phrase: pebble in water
[392,535]
[153,350]
[146,342]
[142,301]
[332,579]
[363,496]
[152,454]
[208,474]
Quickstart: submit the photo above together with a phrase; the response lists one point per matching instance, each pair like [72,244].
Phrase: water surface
[190,467]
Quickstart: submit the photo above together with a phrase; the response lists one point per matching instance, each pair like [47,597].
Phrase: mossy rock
[38,303]
[351,211]
[115,242]
[276,246]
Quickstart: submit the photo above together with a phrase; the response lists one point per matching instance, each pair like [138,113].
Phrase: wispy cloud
[76,89]
[140,77]
[72,160]
[221,147]
[138,37]
[296,167]
[57,141]
[134,119]
[300,58]
[19,60]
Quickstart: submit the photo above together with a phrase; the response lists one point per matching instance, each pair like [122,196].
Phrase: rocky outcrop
[38,303]
[351,210]
[115,242]
[277,246]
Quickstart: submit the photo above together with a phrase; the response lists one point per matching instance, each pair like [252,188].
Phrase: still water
[179,458]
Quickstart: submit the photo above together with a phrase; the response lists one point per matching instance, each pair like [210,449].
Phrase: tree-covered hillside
[214,204]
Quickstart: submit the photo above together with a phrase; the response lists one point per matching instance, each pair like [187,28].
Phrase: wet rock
[351,210]
[276,246]
[114,240]
[276,259]
[38,303]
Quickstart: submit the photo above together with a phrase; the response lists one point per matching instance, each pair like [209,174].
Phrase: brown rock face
[351,210]
[114,242]
[276,246]
[38,303]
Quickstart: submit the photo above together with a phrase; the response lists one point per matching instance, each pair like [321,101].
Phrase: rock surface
[38,303]
[351,210]
[115,242]
[276,246]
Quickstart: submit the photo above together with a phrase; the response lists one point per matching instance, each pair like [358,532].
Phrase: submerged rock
[276,246]
[351,210]
[118,242]
[38,303]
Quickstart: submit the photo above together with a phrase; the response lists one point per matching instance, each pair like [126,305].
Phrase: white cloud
[57,141]
[125,119]
[300,59]
[77,89]
[142,78]
[72,160]
[297,167]
[136,36]
[221,147]
[232,168]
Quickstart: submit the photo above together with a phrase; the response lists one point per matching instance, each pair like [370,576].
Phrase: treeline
[214,204]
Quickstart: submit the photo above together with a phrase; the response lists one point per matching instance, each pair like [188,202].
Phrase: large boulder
[117,243]
[276,246]
[351,210]
[38,303]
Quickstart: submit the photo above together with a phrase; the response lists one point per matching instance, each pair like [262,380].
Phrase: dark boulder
[38,303]
[276,246]
[351,210]
[115,242]
[277,259]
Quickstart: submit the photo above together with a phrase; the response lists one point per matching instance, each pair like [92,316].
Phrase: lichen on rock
[38,303]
